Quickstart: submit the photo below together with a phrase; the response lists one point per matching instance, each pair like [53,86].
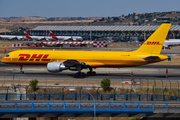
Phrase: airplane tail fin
[154,43]
[27,35]
[53,36]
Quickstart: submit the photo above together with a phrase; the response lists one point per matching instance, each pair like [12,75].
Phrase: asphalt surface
[150,72]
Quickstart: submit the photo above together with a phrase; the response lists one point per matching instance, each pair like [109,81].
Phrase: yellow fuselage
[92,58]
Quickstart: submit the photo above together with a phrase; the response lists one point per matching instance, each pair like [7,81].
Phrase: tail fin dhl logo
[152,43]
[34,57]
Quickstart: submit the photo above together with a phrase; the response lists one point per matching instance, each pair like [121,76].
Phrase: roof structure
[103,28]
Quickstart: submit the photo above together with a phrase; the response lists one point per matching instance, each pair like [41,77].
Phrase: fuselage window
[7,55]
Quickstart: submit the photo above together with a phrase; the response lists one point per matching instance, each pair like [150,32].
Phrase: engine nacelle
[56,67]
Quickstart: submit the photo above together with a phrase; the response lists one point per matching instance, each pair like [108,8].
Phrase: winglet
[154,43]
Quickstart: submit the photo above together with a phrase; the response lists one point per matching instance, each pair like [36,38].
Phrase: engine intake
[56,67]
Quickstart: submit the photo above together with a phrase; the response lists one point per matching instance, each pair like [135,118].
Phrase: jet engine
[56,67]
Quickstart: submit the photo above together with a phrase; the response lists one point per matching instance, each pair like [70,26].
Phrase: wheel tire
[22,72]
[93,73]
[80,75]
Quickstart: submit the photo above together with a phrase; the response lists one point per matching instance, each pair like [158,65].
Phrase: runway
[150,72]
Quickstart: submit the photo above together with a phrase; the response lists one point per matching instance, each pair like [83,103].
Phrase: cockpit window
[7,55]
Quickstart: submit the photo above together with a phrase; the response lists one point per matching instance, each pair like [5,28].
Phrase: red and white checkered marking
[91,42]
[95,43]
[100,44]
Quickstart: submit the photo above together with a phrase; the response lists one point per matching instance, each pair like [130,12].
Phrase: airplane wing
[20,37]
[66,38]
[8,37]
[41,38]
[72,62]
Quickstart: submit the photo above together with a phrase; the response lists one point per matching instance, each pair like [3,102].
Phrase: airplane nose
[2,59]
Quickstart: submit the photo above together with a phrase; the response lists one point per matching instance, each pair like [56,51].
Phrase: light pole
[46,27]
[30,25]
[5,28]
[73,90]
[90,33]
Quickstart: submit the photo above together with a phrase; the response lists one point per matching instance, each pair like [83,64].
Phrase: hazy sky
[83,8]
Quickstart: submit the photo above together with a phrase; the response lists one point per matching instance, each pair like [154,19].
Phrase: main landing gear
[21,67]
[82,74]
[90,72]
[79,74]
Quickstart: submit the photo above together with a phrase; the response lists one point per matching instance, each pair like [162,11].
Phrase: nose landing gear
[21,67]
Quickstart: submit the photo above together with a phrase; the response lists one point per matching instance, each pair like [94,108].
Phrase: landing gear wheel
[22,72]
[91,73]
[80,75]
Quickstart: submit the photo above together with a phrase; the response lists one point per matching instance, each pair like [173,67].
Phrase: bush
[56,83]
[105,84]
[33,84]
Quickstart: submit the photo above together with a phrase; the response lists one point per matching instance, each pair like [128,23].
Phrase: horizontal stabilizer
[151,58]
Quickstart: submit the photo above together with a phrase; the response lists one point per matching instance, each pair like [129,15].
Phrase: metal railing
[4,106]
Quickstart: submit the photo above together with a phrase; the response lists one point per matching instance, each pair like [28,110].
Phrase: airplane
[58,60]
[65,37]
[38,38]
[171,42]
[11,37]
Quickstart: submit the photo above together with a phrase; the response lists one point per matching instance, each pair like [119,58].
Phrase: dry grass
[93,83]
[11,27]
[3,30]
[94,90]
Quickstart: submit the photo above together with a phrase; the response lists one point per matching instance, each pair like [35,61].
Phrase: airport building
[125,33]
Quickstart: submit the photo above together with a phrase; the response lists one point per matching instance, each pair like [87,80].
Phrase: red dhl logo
[34,57]
[153,43]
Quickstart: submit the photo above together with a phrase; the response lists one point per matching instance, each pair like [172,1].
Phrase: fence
[115,97]
[148,89]
[23,79]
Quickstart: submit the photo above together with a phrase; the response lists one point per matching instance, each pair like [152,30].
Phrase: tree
[33,84]
[105,84]
[102,19]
